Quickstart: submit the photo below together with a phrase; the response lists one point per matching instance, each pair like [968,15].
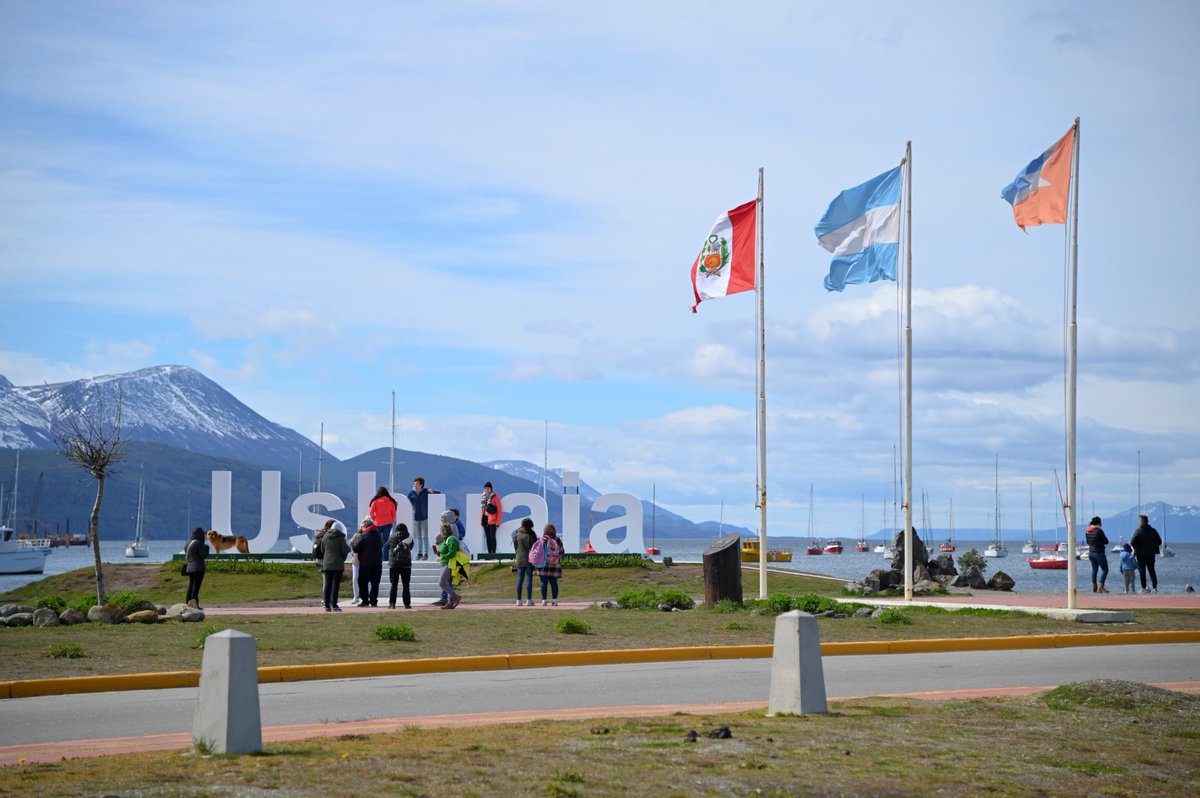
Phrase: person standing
[419,496]
[334,551]
[194,554]
[491,513]
[1097,542]
[523,540]
[1145,543]
[1128,566]
[400,564]
[383,516]
[552,570]
[446,548]
[365,544]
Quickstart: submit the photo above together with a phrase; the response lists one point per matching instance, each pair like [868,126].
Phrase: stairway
[424,581]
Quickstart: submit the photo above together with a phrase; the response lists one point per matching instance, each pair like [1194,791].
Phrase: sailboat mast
[762,402]
[392,457]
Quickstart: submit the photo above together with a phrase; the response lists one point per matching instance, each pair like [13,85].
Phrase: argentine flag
[862,230]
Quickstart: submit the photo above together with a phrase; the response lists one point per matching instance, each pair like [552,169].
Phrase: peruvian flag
[725,264]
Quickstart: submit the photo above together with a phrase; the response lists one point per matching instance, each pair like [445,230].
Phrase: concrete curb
[26,688]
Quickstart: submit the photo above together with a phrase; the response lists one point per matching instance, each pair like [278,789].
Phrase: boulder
[19,619]
[958,580]
[863,612]
[143,616]
[184,613]
[12,609]
[920,553]
[1000,581]
[924,588]
[880,579]
[71,616]
[108,613]
[975,578]
[945,564]
[44,616]
[920,573]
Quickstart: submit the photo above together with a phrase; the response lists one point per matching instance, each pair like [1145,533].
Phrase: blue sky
[491,209]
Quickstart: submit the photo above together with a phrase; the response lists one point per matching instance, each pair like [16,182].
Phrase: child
[1128,566]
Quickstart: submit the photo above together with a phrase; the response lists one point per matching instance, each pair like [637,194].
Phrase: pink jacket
[383,511]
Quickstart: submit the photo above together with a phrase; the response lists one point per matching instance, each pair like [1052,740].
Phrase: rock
[44,616]
[923,588]
[958,581]
[853,587]
[875,613]
[691,736]
[71,616]
[945,564]
[109,614]
[920,574]
[974,578]
[1000,581]
[720,733]
[920,553]
[668,562]
[863,612]
[880,579]
[143,616]
[12,609]
[176,610]
[665,607]
[191,615]
[19,619]
[945,579]
[609,605]
[824,614]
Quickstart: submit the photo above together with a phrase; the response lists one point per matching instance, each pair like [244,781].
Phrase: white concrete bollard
[797,677]
[227,714]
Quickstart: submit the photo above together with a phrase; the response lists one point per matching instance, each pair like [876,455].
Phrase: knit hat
[366,522]
[1095,520]
[1126,547]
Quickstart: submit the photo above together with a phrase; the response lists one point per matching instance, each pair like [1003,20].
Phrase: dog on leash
[221,542]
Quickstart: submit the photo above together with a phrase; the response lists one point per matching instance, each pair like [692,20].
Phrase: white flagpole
[762,403]
[908,281]
[1072,351]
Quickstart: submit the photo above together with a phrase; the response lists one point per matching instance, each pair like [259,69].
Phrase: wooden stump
[723,570]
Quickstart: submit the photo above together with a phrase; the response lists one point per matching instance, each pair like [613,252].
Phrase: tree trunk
[723,571]
[94,532]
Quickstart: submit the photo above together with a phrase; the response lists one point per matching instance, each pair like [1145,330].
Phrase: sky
[491,209]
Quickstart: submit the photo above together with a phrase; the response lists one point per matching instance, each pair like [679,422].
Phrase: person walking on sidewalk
[400,564]
[1145,543]
[552,570]
[446,548]
[1128,566]
[523,540]
[1097,543]
[334,551]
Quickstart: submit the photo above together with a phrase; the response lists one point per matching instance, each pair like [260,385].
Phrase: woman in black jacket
[195,553]
[370,562]
[400,564]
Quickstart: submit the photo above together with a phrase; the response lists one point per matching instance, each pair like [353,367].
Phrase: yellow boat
[750,552]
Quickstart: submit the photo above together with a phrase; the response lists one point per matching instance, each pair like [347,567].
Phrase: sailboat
[996,547]
[1030,546]
[1048,560]
[1163,550]
[652,549]
[948,544]
[138,547]
[861,544]
[814,545]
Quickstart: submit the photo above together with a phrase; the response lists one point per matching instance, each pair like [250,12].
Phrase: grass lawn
[1097,738]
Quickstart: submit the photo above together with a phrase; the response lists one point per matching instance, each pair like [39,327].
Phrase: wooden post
[723,570]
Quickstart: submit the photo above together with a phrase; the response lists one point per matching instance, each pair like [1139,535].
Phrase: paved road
[161,712]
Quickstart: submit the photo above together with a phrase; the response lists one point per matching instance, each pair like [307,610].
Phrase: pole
[1072,366]
[908,281]
[762,404]
[392,458]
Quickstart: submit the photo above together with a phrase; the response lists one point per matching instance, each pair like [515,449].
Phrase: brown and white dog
[221,542]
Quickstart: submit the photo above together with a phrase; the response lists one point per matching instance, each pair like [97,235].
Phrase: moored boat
[750,552]
[22,556]
[833,546]
[1048,561]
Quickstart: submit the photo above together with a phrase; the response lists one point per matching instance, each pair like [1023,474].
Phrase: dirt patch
[1119,695]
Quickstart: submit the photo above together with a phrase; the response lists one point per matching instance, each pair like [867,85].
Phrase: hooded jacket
[333,541]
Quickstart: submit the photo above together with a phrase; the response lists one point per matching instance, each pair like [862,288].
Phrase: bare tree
[88,434]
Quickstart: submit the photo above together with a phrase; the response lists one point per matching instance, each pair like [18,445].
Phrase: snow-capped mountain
[173,405]
[533,473]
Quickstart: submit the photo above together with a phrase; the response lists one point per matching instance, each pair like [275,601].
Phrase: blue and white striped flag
[862,230]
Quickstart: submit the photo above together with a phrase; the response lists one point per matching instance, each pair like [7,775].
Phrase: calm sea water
[1173,572]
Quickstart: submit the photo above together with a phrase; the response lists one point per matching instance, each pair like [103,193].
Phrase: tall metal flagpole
[908,281]
[762,404]
[1072,351]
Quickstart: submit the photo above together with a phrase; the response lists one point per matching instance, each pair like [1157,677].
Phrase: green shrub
[972,557]
[675,597]
[726,605]
[83,603]
[733,626]
[131,602]
[894,616]
[56,603]
[571,625]
[204,633]
[605,561]
[226,564]
[774,604]
[65,651]
[400,632]
[637,599]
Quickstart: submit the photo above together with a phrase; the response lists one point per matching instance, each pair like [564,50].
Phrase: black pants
[368,583]
[1147,564]
[489,532]
[332,587]
[404,574]
[196,577]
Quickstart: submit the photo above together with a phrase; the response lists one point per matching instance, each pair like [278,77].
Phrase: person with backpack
[445,546]
[551,568]
[400,564]
[331,543]
[523,540]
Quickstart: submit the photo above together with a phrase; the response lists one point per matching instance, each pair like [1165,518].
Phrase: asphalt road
[148,712]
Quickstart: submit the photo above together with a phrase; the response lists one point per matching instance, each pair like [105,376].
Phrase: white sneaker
[554,603]
[356,602]
[530,602]
[543,603]
[519,602]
